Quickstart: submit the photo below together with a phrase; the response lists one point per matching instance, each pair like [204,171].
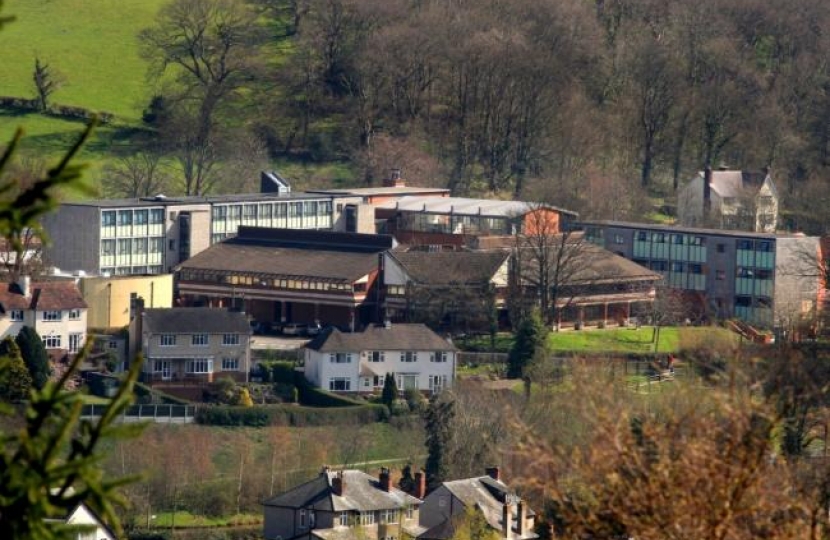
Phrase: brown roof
[397,337]
[47,295]
[587,263]
[448,267]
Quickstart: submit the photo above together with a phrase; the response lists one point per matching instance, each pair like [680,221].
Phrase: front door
[163,367]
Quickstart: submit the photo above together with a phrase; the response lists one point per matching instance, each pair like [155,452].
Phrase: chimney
[507,518]
[707,190]
[395,179]
[419,490]
[325,470]
[521,520]
[25,285]
[338,484]
[385,479]
[493,472]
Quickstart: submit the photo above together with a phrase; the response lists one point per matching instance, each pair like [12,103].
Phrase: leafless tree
[47,81]
[138,175]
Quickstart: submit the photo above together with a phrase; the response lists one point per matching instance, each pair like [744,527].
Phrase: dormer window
[16,315]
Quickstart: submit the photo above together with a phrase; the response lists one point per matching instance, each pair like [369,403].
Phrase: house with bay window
[356,362]
[343,505]
[54,309]
[191,346]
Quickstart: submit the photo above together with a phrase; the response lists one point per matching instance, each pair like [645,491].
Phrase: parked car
[295,329]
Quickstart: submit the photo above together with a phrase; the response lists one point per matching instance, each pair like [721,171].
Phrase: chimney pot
[338,484]
[25,285]
[493,472]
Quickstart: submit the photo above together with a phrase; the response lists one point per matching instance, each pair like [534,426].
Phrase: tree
[439,419]
[34,355]
[47,81]
[15,380]
[141,174]
[530,338]
[390,390]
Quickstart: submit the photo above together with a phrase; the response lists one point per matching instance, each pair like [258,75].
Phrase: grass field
[616,340]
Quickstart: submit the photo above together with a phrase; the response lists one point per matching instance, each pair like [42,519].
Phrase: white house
[84,524]
[358,362]
[55,309]
[729,199]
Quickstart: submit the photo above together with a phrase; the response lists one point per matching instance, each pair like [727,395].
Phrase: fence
[160,414]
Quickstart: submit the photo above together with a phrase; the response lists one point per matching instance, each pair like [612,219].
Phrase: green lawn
[91,42]
[186,519]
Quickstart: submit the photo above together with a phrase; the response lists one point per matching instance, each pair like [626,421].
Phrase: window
[341,384]
[388,516]
[125,217]
[618,239]
[141,217]
[440,356]
[156,245]
[437,383]
[156,216]
[124,246]
[230,364]
[52,341]
[409,356]
[743,301]
[199,340]
[168,340]
[677,267]
[658,238]
[763,274]
[695,268]
[249,211]
[763,245]
[659,266]
[108,247]
[696,241]
[641,236]
[200,365]
[340,358]
[312,519]
[745,272]
[16,315]
[677,239]
[367,518]
[302,519]
[74,314]
[51,316]
[112,344]
[171,245]
[140,246]
[721,248]
[744,244]
[376,356]
[108,219]
[410,512]
[344,519]
[230,339]
[75,341]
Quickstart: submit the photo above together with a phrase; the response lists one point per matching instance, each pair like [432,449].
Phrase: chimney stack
[507,518]
[521,520]
[494,473]
[25,285]
[385,479]
[707,191]
[395,179]
[420,489]
[338,484]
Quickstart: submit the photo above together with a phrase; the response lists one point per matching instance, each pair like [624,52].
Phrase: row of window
[197,366]
[132,246]
[198,340]
[109,218]
[279,283]
[131,270]
[661,238]
[271,210]
[753,301]
[48,316]
[380,356]
[55,341]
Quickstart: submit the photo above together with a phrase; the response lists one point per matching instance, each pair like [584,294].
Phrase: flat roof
[691,230]
[206,199]
[464,206]
[383,190]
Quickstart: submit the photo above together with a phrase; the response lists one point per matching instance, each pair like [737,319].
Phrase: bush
[399,407]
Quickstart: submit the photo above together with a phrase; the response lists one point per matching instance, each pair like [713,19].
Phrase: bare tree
[47,81]
[138,175]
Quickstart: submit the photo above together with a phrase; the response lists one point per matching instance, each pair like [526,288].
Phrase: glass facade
[310,214]
[681,258]
[132,240]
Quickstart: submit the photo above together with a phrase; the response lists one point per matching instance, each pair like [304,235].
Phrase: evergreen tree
[15,381]
[407,482]
[34,355]
[530,336]
[439,432]
[390,390]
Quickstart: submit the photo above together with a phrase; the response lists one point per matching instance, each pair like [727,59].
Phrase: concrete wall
[109,298]
[73,238]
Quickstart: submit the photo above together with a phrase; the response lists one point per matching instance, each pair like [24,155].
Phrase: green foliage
[290,415]
[439,418]
[472,525]
[245,398]
[15,380]
[390,390]
[34,355]
[530,336]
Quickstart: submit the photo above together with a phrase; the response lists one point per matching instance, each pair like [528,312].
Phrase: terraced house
[765,279]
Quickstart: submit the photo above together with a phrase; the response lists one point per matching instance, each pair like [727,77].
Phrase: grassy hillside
[91,42]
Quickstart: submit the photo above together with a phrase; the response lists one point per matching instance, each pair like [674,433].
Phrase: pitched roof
[463,206]
[337,257]
[45,295]
[447,267]
[361,492]
[731,183]
[398,337]
[484,494]
[185,320]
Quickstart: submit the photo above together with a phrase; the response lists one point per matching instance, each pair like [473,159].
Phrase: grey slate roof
[447,267]
[399,337]
[463,206]
[186,320]
[361,492]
